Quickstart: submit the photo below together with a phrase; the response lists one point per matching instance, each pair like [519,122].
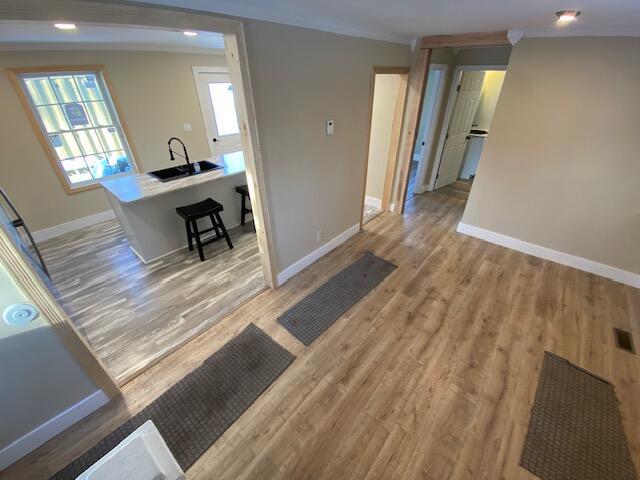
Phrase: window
[224,108]
[79,124]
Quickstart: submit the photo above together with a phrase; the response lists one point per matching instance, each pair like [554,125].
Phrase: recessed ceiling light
[65,26]
[567,16]
[190,34]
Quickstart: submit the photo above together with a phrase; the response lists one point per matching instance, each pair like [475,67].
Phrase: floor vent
[624,340]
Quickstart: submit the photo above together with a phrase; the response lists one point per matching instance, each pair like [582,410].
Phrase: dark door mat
[316,312]
[575,431]
[194,412]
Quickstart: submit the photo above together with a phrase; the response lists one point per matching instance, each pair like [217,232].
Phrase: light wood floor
[133,314]
[430,376]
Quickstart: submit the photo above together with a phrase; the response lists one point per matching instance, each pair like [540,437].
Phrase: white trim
[582,31]
[373,202]
[208,69]
[112,47]
[32,440]
[448,112]
[304,262]
[77,224]
[580,263]
[279,15]
[514,36]
[430,137]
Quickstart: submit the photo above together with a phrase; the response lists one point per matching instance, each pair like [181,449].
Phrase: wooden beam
[394,145]
[480,39]
[412,112]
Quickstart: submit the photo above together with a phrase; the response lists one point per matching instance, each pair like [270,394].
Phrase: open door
[464,110]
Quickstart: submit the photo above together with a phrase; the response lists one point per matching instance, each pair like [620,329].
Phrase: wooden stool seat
[244,191]
[192,213]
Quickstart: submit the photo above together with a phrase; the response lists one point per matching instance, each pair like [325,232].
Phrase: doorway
[472,101]
[215,95]
[388,92]
[426,132]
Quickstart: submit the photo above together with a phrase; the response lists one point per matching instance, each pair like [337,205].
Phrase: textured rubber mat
[194,412]
[316,312]
[575,431]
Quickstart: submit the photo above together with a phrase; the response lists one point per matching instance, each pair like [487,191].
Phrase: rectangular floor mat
[194,412]
[575,431]
[316,312]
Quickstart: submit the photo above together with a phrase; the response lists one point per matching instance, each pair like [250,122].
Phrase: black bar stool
[244,191]
[206,208]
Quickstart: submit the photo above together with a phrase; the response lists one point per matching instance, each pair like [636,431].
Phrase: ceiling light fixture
[567,16]
[190,34]
[65,26]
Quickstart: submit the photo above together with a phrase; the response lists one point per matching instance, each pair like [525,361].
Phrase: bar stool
[206,208]
[244,191]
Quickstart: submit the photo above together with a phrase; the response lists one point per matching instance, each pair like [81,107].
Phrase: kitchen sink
[174,173]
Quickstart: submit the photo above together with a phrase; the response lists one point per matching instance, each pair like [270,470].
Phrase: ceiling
[22,35]
[403,20]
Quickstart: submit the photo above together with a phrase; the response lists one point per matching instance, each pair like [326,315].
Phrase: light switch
[330,124]
[187,127]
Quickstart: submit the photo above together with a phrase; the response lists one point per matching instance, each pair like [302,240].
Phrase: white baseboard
[77,224]
[304,262]
[373,202]
[32,440]
[580,263]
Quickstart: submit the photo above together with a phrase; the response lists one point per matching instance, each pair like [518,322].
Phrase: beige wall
[301,78]
[384,102]
[158,96]
[491,86]
[561,168]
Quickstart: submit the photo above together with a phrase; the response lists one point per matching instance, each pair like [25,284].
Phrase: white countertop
[142,186]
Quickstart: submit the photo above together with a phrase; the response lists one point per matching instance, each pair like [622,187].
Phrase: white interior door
[456,140]
[215,93]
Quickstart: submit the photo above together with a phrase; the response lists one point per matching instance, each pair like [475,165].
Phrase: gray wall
[34,353]
[301,78]
[561,167]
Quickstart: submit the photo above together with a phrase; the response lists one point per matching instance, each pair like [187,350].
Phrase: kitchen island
[146,207]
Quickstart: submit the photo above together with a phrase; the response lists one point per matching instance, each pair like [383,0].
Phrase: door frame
[448,113]
[396,127]
[430,135]
[421,58]
[160,17]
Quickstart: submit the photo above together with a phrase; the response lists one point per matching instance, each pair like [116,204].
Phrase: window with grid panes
[78,119]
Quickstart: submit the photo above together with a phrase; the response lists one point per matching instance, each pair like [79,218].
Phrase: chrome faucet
[185,156]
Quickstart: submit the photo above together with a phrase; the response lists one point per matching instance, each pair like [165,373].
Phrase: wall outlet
[330,125]
[187,127]
[319,236]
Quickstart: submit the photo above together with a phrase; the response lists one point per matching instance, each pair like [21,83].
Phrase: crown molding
[112,47]
[582,32]
[236,9]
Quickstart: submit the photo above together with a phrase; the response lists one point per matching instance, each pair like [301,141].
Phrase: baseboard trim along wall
[32,440]
[304,262]
[373,202]
[580,263]
[77,224]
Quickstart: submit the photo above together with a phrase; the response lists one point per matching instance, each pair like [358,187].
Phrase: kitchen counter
[142,186]
[146,207]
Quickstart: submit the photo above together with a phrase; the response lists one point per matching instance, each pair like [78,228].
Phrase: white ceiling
[22,35]
[402,20]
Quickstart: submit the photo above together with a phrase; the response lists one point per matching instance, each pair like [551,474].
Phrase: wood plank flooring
[431,376]
[132,314]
